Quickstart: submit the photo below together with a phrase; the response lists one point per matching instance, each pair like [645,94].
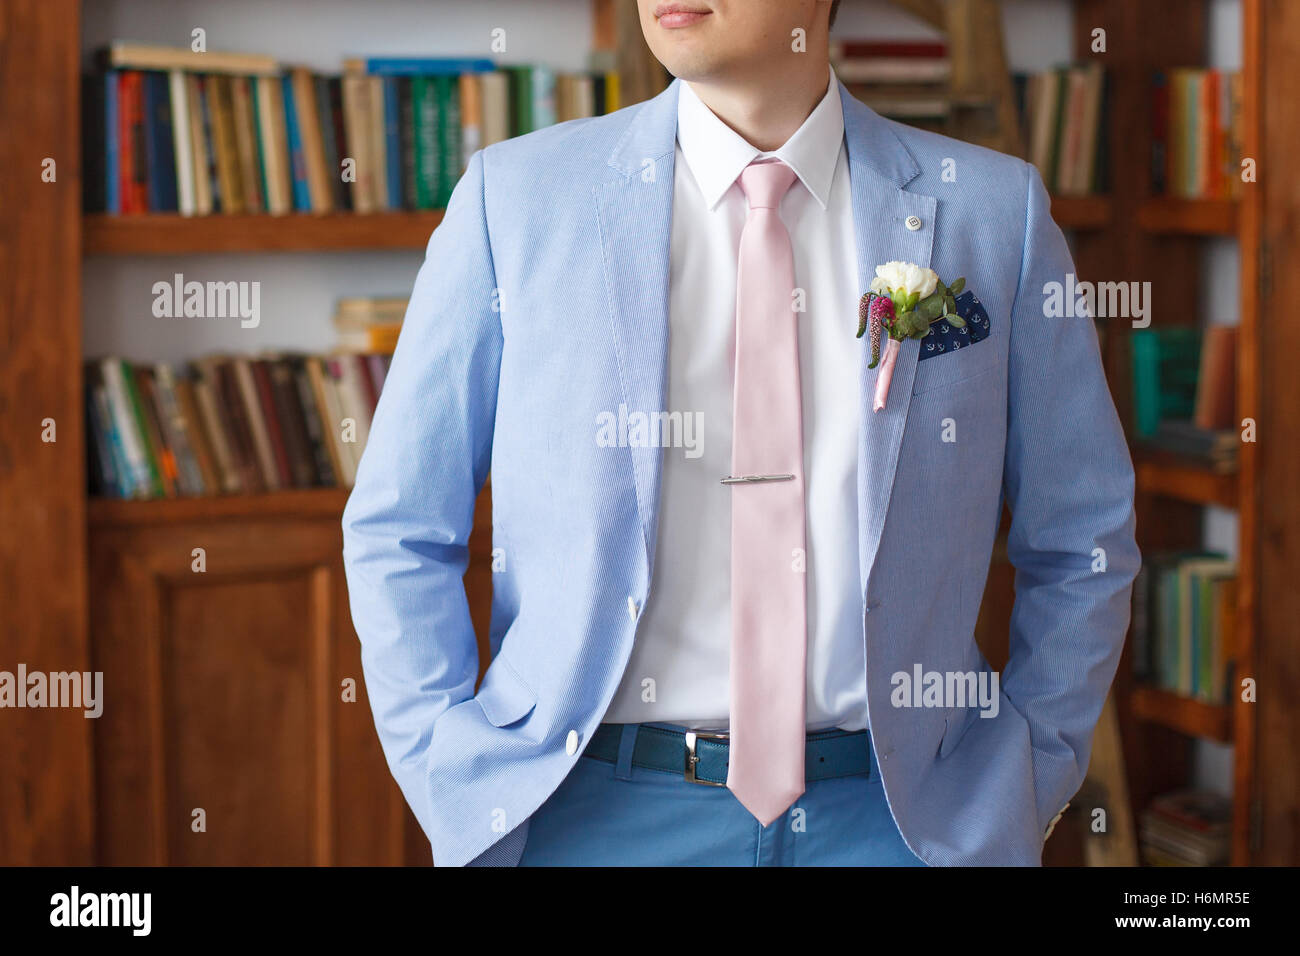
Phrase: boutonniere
[904,300]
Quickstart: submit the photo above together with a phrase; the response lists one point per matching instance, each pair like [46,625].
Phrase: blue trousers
[606,814]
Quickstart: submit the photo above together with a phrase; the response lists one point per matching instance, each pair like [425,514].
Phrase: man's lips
[674,16]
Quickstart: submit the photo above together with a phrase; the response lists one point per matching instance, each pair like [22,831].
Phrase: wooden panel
[224,692]
[1277,646]
[1249,351]
[46,815]
[161,234]
[240,686]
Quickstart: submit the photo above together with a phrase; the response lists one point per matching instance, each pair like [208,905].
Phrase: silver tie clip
[742,479]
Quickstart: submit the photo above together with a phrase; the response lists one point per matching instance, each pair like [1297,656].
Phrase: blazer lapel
[879,167]
[634,213]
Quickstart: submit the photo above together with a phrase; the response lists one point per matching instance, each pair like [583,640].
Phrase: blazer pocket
[961,364]
[503,695]
[958,722]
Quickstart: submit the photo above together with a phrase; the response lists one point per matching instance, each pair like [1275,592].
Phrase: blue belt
[701,757]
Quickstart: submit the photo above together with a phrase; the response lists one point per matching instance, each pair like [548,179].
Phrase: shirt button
[571,743]
[913,223]
[631,607]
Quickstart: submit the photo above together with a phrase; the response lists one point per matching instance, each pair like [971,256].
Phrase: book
[406,143]
[132,158]
[297,155]
[182,143]
[495,91]
[1183,623]
[392,140]
[222,113]
[198,134]
[221,425]
[1187,828]
[1216,383]
[94,143]
[160,143]
[319,193]
[356,108]
[1196,133]
[449,138]
[1165,365]
[199,158]
[318,441]
[240,430]
[338,138]
[419,66]
[273,145]
[140,56]
[378,142]
[424,106]
[471,116]
[271,422]
[264,454]
[207,113]
[246,150]
[200,442]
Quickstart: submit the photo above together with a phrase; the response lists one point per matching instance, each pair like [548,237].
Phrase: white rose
[906,277]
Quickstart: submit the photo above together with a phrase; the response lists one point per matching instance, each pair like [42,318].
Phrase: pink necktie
[768,621]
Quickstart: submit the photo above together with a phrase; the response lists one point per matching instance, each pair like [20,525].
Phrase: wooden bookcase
[90,583]
[1158,239]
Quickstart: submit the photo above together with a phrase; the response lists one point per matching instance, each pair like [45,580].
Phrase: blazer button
[913,223]
[571,743]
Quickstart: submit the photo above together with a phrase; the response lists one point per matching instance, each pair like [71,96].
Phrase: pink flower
[880,318]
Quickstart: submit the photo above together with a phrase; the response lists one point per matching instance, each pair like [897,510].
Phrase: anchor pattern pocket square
[943,337]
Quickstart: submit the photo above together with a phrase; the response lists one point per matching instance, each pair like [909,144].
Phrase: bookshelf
[104,235]
[1163,215]
[1167,475]
[1159,238]
[1191,718]
[295,503]
[73,601]
[1082,212]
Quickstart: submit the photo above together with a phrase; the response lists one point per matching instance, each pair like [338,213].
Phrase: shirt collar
[717,154]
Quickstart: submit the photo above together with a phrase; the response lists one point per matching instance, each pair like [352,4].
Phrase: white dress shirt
[679,668]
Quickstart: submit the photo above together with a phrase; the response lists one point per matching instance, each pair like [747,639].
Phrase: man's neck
[766,113]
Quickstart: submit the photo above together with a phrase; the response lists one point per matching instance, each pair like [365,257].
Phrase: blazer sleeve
[1068,479]
[407,522]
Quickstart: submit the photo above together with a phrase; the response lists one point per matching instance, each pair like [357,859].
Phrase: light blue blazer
[543,302]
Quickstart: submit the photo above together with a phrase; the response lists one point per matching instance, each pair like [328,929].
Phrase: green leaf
[912,299]
[956,321]
[950,304]
[931,308]
[957,286]
[913,325]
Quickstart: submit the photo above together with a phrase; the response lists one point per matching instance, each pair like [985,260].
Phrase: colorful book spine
[159,145]
[297,160]
[425,66]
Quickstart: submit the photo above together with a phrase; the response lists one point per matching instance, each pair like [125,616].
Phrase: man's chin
[697,67]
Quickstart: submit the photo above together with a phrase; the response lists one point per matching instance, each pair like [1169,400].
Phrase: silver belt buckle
[692,758]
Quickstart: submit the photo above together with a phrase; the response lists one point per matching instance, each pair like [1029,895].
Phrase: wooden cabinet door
[228,734]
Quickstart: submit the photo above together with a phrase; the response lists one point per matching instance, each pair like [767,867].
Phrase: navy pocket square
[943,338]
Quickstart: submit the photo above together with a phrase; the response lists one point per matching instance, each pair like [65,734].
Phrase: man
[734,598]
